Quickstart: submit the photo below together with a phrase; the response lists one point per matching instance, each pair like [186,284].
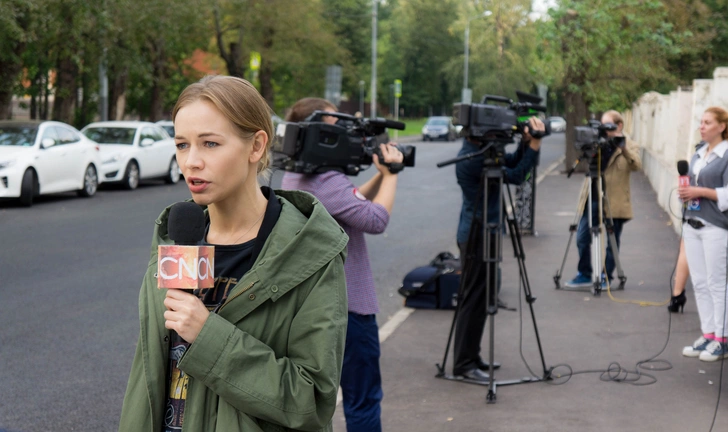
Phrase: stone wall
[666,127]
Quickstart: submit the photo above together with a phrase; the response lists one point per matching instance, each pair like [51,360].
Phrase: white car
[558,124]
[134,150]
[167,125]
[43,157]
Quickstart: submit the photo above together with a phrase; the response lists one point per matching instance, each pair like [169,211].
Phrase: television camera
[488,122]
[588,139]
[314,146]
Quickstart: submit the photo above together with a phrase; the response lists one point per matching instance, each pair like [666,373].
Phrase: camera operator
[617,163]
[472,314]
[359,211]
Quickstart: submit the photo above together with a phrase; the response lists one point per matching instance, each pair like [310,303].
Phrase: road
[70,271]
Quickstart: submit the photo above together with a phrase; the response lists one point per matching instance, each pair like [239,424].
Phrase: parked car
[134,150]
[439,128]
[167,125]
[43,157]
[558,124]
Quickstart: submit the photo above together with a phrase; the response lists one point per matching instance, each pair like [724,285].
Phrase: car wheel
[173,173]
[131,176]
[28,188]
[424,138]
[90,182]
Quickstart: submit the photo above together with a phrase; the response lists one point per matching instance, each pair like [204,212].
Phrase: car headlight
[7,163]
[112,159]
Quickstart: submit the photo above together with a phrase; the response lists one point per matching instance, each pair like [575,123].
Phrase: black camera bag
[434,286]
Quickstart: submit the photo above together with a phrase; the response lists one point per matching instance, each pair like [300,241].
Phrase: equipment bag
[434,286]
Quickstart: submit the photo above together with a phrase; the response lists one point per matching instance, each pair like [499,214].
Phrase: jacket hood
[305,239]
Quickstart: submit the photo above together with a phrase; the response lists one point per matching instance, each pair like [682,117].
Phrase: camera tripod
[595,230]
[492,180]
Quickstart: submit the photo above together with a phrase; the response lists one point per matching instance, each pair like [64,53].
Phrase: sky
[540,7]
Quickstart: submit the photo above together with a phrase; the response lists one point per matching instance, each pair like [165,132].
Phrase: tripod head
[493,152]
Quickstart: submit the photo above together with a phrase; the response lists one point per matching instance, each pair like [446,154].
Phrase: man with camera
[619,157]
[471,317]
[359,211]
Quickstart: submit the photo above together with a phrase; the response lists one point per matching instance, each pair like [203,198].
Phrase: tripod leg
[517,243]
[572,229]
[612,237]
[596,244]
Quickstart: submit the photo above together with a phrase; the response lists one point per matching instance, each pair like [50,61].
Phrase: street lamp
[373,107]
[361,97]
[467,96]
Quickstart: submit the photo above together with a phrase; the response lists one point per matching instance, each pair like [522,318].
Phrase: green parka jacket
[270,359]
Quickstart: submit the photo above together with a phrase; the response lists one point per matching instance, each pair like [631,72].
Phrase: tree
[417,49]
[15,35]
[351,26]
[611,53]
[502,47]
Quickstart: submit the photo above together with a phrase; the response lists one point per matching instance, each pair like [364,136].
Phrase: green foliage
[611,52]
[502,45]
[417,48]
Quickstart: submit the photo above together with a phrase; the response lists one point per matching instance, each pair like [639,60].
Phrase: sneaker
[580,281]
[698,347]
[714,351]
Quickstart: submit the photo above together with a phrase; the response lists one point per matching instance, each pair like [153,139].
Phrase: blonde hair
[239,101]
[615,115]
[721,116]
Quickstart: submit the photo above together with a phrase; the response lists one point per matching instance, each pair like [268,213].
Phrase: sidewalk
[576,328]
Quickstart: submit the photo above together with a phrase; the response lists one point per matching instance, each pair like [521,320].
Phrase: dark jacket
[516,166]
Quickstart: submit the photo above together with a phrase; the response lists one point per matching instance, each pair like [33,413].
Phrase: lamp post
[361,97]
[373,107]
[466,95]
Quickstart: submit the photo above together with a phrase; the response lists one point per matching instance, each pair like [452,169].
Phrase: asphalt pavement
[582,337]
[69,280]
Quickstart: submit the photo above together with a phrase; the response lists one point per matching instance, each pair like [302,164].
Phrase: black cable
[615,372]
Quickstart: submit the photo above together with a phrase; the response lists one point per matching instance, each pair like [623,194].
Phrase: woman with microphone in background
[705,234]
[263,349]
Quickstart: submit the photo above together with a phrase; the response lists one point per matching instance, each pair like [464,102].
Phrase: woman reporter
[706,234]
[263,349]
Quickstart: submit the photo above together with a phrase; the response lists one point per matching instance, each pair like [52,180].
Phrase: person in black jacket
[470,322]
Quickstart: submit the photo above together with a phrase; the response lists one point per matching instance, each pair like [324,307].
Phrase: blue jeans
[361,380]
[583,242]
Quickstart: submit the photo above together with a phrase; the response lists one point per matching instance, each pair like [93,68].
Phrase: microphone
[682,169]
[186,265]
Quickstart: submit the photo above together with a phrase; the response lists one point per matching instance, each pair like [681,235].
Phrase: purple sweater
[357,216]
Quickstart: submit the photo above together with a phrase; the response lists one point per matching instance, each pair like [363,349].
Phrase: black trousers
[472,315]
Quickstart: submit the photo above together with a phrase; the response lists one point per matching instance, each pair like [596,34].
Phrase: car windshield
[170,130]
[18,135]
[437,122]
[111,135]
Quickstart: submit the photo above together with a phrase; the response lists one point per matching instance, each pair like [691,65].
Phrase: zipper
[236,295]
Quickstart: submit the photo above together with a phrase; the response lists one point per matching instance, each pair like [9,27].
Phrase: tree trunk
[576,115]
[8,77]
[117,95]
[156,110]
[65,95]
[46,96]
[233,55]
[266,71]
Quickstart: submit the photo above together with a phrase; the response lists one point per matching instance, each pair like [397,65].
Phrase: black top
[231,264]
